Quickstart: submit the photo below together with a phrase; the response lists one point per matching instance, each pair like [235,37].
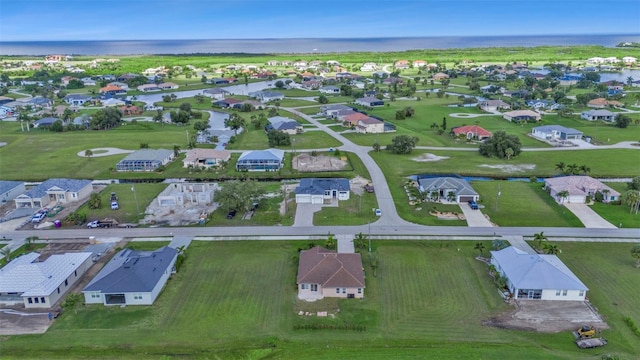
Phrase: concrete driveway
[588,217]
[304,214]
[475,218]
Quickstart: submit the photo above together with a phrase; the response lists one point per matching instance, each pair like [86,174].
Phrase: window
[304,286]
[581,293]
[564,292]
[359,290]
[137,297]
[558,292]
[75,272]
[66,282]
[344,290]
[314,287]
[42,300]
[35,300]
[337,290]
[30,300]
[95,295]
[58,290]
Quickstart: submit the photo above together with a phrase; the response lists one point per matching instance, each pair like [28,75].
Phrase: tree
[6,252]
[498,144]
[106,118]
[402,144]
[179,117]
[88,153]
[539,237]
[66,115]
[622,121]
[176,150]
[144,145]
[480,247]
[562,195]
[278,138]
[331,242]
[632,199]
[498,244]
[360,241]
[572,169]
[634,184]
[199,99]
[95,202]
[561,166]
[451,196]
[551,249]
[629,80]
[279,84]
[157,117]
[238,195]
[186,107]
[201,125]
[323,99]
[57,126]
[376,146]
[234,122]
[508,152]
[585,169]
[635,253]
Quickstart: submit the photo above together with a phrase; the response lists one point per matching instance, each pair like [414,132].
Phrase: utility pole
[135,198]
[497,197]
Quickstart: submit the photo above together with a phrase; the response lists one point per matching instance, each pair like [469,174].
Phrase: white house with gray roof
[40,284]
[556,132]
[321,190]
[598,114]
[9,190]
[54,191]
[132,277]
[442,186]
[261,160]
[537,276]
[145,160]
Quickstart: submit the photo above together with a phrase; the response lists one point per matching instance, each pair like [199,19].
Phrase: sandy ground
[107,151]
[307,163]
[357,185]
[510,169]
[429,158]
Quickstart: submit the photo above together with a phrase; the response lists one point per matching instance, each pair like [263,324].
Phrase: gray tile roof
[269,154]
[317,186]
[69,185]
[462,186]
[559,128]
[6,185]
[132,271]
[148,154]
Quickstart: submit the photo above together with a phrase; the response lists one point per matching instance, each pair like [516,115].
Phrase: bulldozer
[586,331]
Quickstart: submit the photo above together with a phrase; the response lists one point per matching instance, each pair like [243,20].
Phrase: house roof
[599,112]
[111,88]
[27,276]
[335,107]
[39,100]
[6,185]
[354,117]
[277,119]
[493,102]
[269,154]
[77,97]
[558,128]
[149,154]
[461,186]
[535,271]
[330,269]
[45,121]
[578,185]
[215,91]
[284,125]
[317,186]
[196,154]
[474,129]
[369,121]
[516,113]
[68,185]
[133,271]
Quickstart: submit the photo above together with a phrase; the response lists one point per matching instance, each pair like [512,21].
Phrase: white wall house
[39,284]
[537,277]
[320,190]
[132,278]
[324,273]
[54,191]
[181,194]
[9,190]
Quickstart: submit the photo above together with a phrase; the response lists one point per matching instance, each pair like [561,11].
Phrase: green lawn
[256,139]
[617,214]
[425,298]
[522,204]
[355,211]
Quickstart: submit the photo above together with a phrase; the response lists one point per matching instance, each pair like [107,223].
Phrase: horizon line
[333,38]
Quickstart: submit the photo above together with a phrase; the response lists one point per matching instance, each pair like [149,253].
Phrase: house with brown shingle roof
[471,132]
[325,273]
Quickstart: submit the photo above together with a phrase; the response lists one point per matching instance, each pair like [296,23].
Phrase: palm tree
[605,195]
[635,252]
[561,166]
[6,252]
[360,241]
[562,195]
[632,198]
[572,169]
[176,150]
[480,247]
[331,242]
[539,237]
[88,153]
[551,249]
[629,81]
[585,169]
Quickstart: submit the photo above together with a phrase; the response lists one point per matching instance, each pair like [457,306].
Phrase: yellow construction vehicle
[586,331]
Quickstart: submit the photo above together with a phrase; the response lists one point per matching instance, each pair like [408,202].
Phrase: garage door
[303,199]
[317,200]
[466,198]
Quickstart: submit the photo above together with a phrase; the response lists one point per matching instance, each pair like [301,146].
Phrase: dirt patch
[548,316]
[429,157]
[509,169]
[357,184]
[307,163]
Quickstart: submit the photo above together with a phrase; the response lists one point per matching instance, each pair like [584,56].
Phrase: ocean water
[280,46]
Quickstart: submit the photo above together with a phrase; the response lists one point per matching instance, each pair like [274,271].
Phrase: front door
[530,294]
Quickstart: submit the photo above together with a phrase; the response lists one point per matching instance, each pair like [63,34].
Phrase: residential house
[330,110]
[87,81]
[45,122]
[181,194]
[325,273]
[148,88]
[113,102]
[333,63]
[568,80]
[284,124]
[555,133]
[330,89]
[266,96]
[601,103]
[491,89]
[5,112]
[129,110]
[168,86]
[205,158]
[227,102]
[440,76]
[132,277]
[9,190]
[493,105]
[598,114]
[77,99]
[321,190]
[122,85]
[112,90]
[629,60]
[370,126]
[402,64]
[40,102]
[145,160]
[350,118]
[448,188]
[261,160]
[471,132]
[54,191]
[312,84]
[216,93]
[522,115]
[539,104]
[369,102]
[126,77]
[419,63]
[579,187]
[5,99]
[536,276]
[273,63]
[368,67]
[41,284]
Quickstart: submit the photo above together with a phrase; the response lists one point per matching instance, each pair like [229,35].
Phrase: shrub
[632,325]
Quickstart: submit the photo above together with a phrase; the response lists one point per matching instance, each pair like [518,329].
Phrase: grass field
[128,211]
[355,211]
[236,300]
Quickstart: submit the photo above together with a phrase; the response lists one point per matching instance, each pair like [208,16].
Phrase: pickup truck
[106,223]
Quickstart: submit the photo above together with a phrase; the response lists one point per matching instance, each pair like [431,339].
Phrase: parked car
[378,212]
[114,205]
[231,214]
[93,224]
[38,217]
[473,205]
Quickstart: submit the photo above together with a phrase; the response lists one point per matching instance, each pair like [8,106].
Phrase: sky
[51,20]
